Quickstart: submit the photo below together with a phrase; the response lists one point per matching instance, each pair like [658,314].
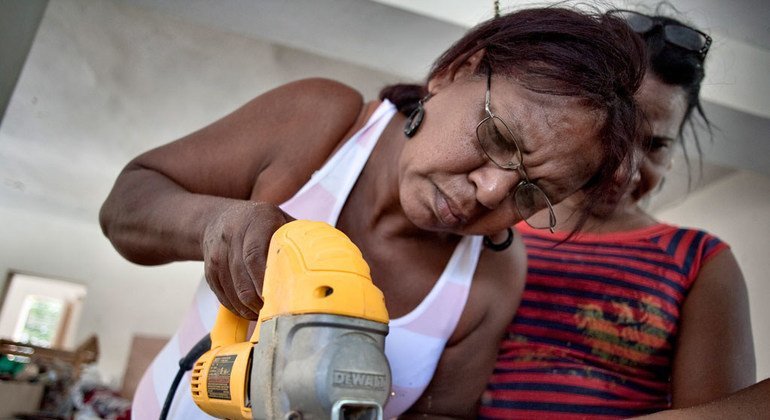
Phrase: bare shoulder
[320,114]
[282,135]
[715,333]
[719,279]
[312,111]
[319,95]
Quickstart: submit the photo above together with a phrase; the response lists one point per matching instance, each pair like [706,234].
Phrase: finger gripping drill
[317,349]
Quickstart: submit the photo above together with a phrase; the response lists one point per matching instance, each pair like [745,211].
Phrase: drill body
[317,350]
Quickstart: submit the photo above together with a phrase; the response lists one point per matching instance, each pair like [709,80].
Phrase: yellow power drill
[317,351]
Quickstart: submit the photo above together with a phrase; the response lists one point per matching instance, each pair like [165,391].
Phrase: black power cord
[185,364]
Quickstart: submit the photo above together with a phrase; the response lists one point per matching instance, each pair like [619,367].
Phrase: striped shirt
[595,332]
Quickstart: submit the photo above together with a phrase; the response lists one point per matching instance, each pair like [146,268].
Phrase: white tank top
[415,341]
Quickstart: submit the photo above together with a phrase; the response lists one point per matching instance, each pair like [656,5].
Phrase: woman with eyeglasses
[631,315]
[520,113]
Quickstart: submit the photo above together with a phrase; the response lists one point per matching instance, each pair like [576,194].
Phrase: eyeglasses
[683,36]
[499,144]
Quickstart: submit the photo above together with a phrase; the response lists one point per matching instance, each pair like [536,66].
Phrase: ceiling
[402,37]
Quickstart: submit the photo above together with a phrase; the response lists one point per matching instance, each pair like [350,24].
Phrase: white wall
[103,82]
[123,298]
[737,209]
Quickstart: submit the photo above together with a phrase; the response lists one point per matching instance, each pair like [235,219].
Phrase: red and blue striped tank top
[594,335]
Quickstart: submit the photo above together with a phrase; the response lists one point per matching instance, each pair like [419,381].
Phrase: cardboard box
[19,397]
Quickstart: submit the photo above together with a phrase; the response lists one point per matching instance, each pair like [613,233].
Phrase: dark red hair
[560,51]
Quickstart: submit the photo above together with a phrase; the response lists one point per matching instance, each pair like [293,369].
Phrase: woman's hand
[234,250]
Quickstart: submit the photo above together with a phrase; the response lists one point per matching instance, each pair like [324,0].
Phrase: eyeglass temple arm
[489,88]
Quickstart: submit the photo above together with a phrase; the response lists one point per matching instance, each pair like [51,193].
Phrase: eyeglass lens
[498,143]
[530,199]
[679,35]
[684,37]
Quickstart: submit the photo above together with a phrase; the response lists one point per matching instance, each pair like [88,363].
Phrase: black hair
[681,67]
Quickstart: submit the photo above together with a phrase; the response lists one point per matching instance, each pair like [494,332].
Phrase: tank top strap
[437,315]
[322,198]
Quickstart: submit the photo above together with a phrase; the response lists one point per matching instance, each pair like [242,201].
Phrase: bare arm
[212,195]
[467,363]
[714,353]
[750,403]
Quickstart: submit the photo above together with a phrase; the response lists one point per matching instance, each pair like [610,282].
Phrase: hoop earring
[502,246]
[415,118]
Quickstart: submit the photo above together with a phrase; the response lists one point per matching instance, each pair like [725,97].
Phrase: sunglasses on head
[680,35]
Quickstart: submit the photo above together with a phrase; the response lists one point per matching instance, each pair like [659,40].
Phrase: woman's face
[448,184]
[664,107]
